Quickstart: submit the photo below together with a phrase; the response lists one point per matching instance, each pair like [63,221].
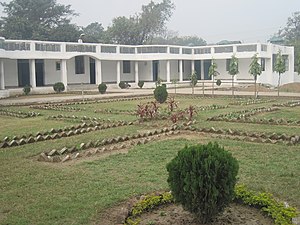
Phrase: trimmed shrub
[102,88]
[141,84]
[160,94]
[122,85]
[26,90]
[218,82]
[58,87]
[202,179]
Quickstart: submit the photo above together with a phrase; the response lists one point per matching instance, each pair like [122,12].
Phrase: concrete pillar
[118,71]
[64,72]
[180,71]
[98,71]
[32,73]
[136,71]
[168,71]
[2,84]
[202,69]
[192,66]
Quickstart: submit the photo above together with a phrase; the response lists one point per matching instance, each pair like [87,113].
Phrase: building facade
[41,64]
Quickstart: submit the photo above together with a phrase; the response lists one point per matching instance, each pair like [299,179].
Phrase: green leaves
[233,66]
[255,67]
[213,69]
[279,64]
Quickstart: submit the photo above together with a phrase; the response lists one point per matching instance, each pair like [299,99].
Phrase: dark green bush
[219,82]
[141,84]
[123,85]
[27,89]
[202,179]
[58,87]
[102,88]
[160,94]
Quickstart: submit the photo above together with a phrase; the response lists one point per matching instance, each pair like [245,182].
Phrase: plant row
[18,114]
[56,107]
[63,154]
[257,137]
[81,118]
[211,107]
[252,102]
[288,104]
[58,133]
[115,111]
[242,114]
[277,210]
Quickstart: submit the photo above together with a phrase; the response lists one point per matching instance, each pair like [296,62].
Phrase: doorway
[92,71]
[39,72]
[23,72]
[155,65]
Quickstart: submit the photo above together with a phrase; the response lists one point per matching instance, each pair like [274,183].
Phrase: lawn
[76,192]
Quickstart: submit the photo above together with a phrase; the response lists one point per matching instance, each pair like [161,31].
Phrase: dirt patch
[292,87]
[235,214]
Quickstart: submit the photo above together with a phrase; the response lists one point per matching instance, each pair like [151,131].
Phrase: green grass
[32,192]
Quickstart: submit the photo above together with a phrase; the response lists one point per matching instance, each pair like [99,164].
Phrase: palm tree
[255,70]
[233,70]
[279,68]
[212,72]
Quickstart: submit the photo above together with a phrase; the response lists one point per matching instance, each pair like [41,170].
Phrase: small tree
[141,84]
[194,81]
[102,88]
[160,94]
[27,89]
[202,179]
[255,70]
[298,65]
[175,81]
[212,72]
[233,70]
[279,68]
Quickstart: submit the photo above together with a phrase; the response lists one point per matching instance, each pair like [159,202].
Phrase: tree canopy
[35,19]
[255,68]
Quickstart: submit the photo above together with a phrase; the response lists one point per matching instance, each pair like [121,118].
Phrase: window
[57,66]
[126,66]
[286,61]
[227,64]
[263,64]
[79,64]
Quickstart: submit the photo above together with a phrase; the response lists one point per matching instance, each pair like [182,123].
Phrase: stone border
[288,104]
[252,102]
[56,107]
[18,114]
[59,133]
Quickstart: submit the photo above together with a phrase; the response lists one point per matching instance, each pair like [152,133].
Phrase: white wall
[244,70]
[145,71]
[222,69]
[162,70]
[78,78]
[109,71]
[174,69]
[51,75]
[128,76]
[187,70]
[10,73]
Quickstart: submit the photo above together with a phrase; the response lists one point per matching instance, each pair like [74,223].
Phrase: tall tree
[94,33]
[233,70]
[34,19]
[212,72]
[255,70]
[291,33]
[143,27]
[279,68]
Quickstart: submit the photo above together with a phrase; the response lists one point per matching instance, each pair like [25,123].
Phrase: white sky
[213,20]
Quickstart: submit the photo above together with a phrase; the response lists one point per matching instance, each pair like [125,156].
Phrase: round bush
[219,82]
[141,84]
[102,88]
[27,89]
[202,179]
[58,87]
[160,94]
[122,85]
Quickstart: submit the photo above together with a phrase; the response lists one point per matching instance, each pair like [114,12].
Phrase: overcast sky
[213,20]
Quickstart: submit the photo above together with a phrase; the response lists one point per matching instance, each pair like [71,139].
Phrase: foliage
[191,111]
[58,87]
[148,203]
[281,214]
[298,65]
[233,70]
[160,94]
[194,80]
[202,179]
[141,84]
[175,39]
[212,72]
[34,20]
[147,111]
[123,85]
[172,104]
[27,89]
[102,88]
[279,67]
[94,33]
[142,27]
[255,70]
[218,82]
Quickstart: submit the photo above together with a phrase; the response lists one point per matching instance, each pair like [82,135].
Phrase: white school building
[40,64]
